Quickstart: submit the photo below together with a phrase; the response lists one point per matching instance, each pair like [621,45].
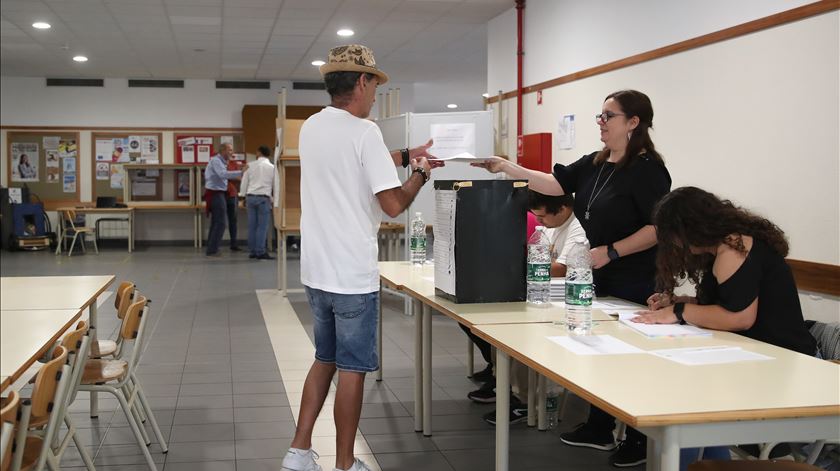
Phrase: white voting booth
[454,133]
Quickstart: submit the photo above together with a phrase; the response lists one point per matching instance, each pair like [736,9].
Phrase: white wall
[755,119]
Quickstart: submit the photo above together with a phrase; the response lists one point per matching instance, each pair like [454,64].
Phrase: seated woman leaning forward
[736,261]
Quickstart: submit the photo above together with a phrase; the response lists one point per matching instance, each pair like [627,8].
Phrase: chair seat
[31,453]
[80,229]
[101,348]
[102,371]
[750,465]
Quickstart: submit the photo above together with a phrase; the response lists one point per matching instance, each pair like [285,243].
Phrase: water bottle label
[418,243]
[540,272]
[579,294]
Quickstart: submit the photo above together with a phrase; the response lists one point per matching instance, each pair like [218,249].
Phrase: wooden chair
[33,451]
[9,417]
[118,378]
[751,465]
[69,228]
[122,300]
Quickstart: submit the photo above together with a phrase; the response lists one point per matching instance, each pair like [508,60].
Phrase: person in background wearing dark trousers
[259,186]
[232,201]
[216,177]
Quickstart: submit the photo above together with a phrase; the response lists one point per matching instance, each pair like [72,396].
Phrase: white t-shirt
[563,237]
[343,164]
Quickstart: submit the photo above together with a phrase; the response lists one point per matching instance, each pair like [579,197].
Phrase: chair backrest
[73,340]
[46,384]
[125,296]
[828,339]
[130,328]
[70,218]
[9,415]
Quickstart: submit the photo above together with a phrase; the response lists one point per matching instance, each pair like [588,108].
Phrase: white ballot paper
[594,345]
[714,355]
[462,157]
[666,330]
[444,248]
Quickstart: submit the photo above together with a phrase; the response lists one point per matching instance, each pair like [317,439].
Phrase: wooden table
[418,283]
[38,293]
[197,211]
[129,211]
[26,335]
[793,397]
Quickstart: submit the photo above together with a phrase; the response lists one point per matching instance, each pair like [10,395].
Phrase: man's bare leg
[346,412]
[315,391]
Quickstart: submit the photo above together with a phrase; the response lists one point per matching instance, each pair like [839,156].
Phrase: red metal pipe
[520,54]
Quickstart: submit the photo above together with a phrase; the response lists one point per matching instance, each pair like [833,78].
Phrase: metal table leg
[94,398]
[502,410]
[470,358]
[532,397]
[542,422]
[427,370]
[418,365]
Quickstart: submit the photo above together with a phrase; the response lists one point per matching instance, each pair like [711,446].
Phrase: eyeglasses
[606,116]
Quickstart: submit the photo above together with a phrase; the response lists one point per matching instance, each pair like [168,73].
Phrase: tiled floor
[226,396]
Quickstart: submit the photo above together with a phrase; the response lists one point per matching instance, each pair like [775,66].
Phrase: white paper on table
[622,314]
[614,305]
[444,247]
[462,157]
[714,355]
[452,138]
[566,132]
[594,345]
[666,330]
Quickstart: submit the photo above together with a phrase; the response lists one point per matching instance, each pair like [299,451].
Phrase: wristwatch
[405,157]
[612,253]
[679,308]
[423,173]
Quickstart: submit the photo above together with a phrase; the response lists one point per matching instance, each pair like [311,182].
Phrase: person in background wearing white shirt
[260,186]
[348,179]
[556,213]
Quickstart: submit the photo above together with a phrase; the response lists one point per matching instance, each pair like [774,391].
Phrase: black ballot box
[480,246]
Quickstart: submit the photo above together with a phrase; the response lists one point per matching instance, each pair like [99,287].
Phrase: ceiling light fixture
[41,25]
[452,106]
[345,32]
[318,63]
[80,58]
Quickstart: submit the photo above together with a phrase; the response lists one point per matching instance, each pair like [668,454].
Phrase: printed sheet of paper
[149,149]
[202,153]
[613,304]
[452,139]
[188,154]
[566,132]
[594,345]
[462,157]
[143,188]
[51,142]
[52,158]
[117,176]
[103,170]
[444,249]
[709,355]
[24,163]
[666,330]
[622,314]
[69,183]
[104,150]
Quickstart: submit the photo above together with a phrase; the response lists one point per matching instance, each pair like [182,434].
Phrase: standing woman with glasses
[616,189]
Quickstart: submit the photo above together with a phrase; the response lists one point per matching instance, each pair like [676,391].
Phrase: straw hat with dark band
[352,58]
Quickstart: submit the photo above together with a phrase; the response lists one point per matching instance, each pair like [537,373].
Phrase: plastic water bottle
[418,240]
[579,289]
[539,268]
[551,410]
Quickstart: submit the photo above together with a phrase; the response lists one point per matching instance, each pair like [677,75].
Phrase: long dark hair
[634,103]
[691,217]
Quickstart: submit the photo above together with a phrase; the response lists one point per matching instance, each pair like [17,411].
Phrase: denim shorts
[345,329]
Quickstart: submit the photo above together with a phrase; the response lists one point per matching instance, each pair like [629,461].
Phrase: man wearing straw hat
[348,179]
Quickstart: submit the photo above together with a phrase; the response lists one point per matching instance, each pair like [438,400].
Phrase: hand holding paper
[491,164]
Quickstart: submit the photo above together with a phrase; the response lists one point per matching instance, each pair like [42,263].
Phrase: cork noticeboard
[47,162]
[103,179]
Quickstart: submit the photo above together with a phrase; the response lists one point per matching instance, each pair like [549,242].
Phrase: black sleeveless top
[764,275]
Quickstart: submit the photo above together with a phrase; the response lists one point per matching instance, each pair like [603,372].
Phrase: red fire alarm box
[535,151]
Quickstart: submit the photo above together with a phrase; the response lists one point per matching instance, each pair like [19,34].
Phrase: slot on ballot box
[480,240]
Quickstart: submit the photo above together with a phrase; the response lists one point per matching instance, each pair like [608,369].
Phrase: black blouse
[623,203]
[764,275]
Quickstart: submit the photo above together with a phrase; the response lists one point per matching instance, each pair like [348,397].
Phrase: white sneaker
[300,460]
[358,465]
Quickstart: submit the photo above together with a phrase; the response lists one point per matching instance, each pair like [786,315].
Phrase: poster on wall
[117,176]
[53,174]
[149,149]
[69,164]
[51,142]
[67,148]
[120,150]
[103,170]
[187,141]
[52,158]
[565,137]
[134,144]
[69,183]
[24,162]
[204,140]
[104,148]
[202,153]
[183,185]
[188,154]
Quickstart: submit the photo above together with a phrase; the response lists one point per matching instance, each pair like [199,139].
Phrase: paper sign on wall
[25,162]
[104,150]
[51,142]
[69,165]
[204,140]
[52,158]
[202,153]
[187,141]
[117,176]
[566,132]
[452,139]
[188,154]
[53,174]
[69,183]
[103,170]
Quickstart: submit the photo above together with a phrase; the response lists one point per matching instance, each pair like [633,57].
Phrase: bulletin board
[56,182]
[104,175]
[183,155]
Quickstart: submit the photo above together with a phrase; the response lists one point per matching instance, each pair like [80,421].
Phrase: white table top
[26,334]
[643,390]
[418,281]
[51,292]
